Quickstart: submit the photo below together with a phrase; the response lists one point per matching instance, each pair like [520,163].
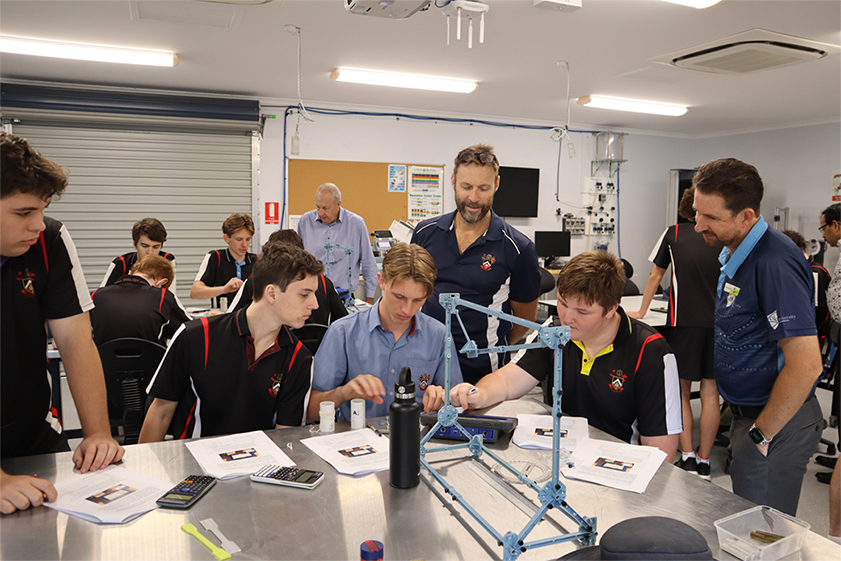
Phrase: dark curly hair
[24,170]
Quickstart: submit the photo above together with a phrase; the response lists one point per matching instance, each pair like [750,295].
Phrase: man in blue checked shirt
[362,354]
[332,223]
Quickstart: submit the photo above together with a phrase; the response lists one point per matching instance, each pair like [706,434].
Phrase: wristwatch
[757,436]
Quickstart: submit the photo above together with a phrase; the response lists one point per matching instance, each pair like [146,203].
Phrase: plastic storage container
[734,534]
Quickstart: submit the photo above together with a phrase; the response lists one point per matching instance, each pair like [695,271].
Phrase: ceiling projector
[392,9]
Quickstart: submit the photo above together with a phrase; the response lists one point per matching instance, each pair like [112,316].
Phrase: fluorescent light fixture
[700,4]
[79,51]
[399,80]
[634,105]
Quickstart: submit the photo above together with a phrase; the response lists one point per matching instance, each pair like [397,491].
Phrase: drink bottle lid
[405,386]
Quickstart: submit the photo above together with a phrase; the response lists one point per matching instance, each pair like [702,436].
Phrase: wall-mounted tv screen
[517,194]
[552,244]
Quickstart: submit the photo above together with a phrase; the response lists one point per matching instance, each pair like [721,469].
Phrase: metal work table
[331,521]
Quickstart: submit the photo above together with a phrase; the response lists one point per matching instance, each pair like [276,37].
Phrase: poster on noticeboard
[426,192]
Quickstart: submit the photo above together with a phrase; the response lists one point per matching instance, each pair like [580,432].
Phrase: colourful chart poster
[396,178]
[426,192]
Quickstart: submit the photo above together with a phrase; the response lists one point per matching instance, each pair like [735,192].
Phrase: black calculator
[291,476]
[185,494]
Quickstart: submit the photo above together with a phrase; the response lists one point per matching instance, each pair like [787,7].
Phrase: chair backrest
[547,281]
[311,335]
[129,364]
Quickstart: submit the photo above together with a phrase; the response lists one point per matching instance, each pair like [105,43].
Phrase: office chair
[129,364]
[631,289]
[547,281]
[311,335]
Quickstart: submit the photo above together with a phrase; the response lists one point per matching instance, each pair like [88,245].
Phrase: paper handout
[237,454]
[535,432]
[113,495]
[352,453]
[615,464]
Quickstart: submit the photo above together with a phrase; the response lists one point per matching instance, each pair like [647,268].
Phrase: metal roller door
[189,181]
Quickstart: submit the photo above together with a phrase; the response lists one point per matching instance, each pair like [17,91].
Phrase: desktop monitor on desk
[551,244]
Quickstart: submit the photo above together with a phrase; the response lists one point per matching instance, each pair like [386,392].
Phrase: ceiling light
[634,105]
[79,51]
[700,4]
[399,80]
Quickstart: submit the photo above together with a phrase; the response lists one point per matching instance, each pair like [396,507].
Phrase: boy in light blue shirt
[362,354]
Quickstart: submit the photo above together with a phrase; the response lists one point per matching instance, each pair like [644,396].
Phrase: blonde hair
[405,261]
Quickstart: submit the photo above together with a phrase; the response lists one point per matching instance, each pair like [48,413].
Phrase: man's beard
[462,205]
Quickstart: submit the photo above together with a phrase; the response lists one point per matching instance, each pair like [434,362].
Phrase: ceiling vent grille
[750,51]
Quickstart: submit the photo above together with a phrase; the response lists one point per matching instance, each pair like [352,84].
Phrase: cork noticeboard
[364,187]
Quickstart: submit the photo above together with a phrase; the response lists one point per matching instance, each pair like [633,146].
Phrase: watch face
[756,435]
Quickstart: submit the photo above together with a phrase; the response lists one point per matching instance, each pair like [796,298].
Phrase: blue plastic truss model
[349,301]
[553,493]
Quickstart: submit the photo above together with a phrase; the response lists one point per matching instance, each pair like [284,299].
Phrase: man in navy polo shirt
[243,371]
[223,271]
[482,258]
[767,360]
[41,281]
[148,236]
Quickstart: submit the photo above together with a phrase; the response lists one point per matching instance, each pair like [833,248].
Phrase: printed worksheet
[352,453]
[235,455]
[615,464]
[113,495]
[535,432]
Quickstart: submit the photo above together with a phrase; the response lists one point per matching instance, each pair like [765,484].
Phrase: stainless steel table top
[331,521]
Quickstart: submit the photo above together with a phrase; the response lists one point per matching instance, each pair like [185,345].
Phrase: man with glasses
[766,345]
[485,260]
[831,230]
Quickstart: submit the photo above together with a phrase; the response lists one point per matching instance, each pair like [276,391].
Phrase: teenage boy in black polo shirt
[224,270]
[618,372]
[41,281]
[148,237]
[330,306]
[138,305]
[243,371]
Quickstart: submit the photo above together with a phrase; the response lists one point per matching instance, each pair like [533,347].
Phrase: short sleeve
[330,365]
[657,389]
[171,378]
[207,271]
[538,363]
[661,256]
[66,292]
[525,276]
[785,288]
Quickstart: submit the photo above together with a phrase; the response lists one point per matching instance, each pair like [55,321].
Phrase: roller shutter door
[189,181]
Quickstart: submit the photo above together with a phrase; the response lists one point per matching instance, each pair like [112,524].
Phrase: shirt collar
[494,231]
[132,279]
[240,325]
[231,259]
[338,218]
[731,263]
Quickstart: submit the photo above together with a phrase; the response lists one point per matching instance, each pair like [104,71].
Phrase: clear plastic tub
[734,534]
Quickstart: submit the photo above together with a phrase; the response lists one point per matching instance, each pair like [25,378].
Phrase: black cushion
[647,538]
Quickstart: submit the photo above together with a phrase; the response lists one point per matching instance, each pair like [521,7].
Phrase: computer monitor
[518,191]
[552,244]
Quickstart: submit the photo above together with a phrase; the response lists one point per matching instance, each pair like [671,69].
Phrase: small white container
[357,414]
[327,417]
[734,534]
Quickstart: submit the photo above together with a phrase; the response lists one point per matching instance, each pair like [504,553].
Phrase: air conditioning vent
[750,51]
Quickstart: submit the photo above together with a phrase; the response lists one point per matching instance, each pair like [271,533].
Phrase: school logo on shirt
[423,382]
[732,291]
[617,381]
[487,261]
[277,380]
[27,283]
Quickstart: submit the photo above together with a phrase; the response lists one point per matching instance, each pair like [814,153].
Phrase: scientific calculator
[185,494]
[291,476]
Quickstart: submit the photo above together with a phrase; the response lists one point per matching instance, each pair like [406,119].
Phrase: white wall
[796,165]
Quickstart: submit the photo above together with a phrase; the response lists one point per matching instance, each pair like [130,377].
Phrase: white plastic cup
[357,414]
[327,416]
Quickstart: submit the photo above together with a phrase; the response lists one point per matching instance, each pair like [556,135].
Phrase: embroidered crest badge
[27,283]
[617,381]
[487,261]
[277,380]
[423,382]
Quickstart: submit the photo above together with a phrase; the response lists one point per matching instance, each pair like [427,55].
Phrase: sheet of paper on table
[615,464]
[238,454]
[535,432]
[352,453]
[110,496]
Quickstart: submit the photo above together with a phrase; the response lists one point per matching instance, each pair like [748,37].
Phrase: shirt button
[585,360]
[392,370]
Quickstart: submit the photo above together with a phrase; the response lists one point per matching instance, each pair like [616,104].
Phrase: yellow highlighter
[219,553]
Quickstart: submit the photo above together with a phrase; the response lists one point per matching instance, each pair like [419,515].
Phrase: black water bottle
[404,433]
